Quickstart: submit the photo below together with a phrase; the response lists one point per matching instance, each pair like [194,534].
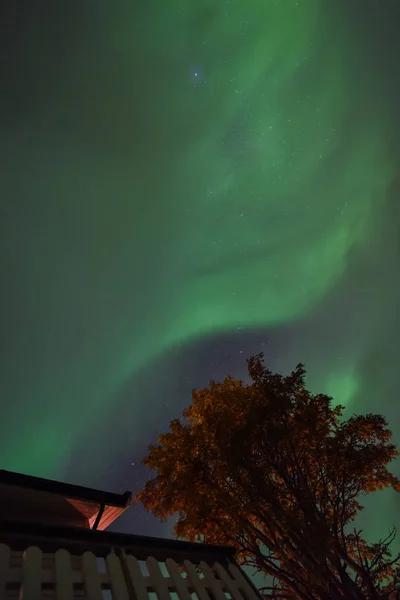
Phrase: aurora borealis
[184,184]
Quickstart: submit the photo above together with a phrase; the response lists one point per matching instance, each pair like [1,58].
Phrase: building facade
[54,544]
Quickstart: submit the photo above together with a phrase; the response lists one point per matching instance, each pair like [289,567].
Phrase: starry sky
[184,184]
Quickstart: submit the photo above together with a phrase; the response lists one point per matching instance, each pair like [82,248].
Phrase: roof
[93,505]
[77,541]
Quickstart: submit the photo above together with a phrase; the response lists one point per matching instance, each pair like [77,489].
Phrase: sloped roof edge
[83,495]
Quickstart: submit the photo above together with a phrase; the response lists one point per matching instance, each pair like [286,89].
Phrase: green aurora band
[174,172]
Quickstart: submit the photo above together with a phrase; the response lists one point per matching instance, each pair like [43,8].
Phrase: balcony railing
[39,562]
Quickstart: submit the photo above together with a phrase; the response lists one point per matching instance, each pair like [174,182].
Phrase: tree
[277,472]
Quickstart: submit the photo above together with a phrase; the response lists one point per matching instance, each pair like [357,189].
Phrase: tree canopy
[278,472]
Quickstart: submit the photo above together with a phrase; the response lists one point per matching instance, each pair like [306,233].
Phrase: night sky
[183,184]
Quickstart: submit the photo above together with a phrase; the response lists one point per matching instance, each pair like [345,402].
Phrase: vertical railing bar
[120,552]
[253,588]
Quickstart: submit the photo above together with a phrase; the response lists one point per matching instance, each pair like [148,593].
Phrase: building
[54,545]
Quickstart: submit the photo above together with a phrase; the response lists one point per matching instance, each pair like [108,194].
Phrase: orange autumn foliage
[277,472]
